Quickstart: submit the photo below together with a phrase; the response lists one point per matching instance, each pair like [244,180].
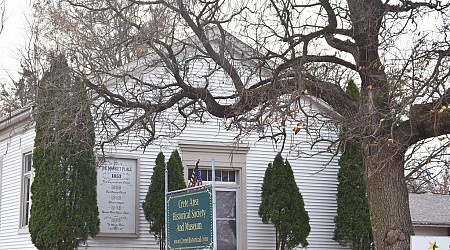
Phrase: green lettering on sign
[190,219]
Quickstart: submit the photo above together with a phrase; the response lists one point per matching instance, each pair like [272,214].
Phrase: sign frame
[189,196]
[135,233]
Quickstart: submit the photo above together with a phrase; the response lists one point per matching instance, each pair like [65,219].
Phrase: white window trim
[227,157]
[23,229]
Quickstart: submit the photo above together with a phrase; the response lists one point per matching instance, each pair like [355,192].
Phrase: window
[226,220]
[230,162]
[221,175]
[27,177]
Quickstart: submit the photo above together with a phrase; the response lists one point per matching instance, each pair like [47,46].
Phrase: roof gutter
[15,117]
[425,224]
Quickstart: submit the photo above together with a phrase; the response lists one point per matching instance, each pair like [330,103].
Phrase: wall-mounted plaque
[117,197]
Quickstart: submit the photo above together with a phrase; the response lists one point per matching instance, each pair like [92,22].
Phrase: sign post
[166,191]
[213,169]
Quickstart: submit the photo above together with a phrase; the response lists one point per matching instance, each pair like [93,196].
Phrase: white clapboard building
[240,166]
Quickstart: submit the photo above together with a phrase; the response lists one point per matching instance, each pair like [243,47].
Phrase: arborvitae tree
[64,209]
[266,188]
[154,201]
[352,90]
[282,205]
[175,169]
[353,220]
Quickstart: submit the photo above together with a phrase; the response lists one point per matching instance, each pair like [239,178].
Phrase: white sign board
[116,197]
[428,242]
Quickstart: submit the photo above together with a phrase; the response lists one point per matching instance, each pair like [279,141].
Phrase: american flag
[196,177]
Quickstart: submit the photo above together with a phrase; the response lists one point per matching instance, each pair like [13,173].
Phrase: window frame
[25,193]
[238,218]
[209,174]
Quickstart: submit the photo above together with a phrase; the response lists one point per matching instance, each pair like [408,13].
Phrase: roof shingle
[430,209]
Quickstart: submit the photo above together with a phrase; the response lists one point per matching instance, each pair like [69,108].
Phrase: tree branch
[311,58]
[406,6]
[220,60]
[426,121]
[334,42]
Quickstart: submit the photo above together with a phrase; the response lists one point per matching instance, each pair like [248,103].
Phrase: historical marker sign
[190,219]
[116,195]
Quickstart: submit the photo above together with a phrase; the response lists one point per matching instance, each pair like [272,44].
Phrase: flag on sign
[196,177]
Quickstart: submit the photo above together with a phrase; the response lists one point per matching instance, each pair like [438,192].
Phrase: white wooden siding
[11,150]
[316,178]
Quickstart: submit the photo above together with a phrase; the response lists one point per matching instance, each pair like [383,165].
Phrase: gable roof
[238,49]
[191,44]
[430,209]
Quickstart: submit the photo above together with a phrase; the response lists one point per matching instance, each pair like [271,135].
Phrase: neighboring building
[429,214]
[16,175]
[240,165]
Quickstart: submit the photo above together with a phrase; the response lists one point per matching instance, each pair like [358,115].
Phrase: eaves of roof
[15,117]
[430,224]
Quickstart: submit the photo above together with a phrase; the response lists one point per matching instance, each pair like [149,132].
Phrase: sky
[13,38]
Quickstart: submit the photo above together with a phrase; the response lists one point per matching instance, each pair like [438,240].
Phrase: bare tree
[2,14]
[297,49]
[20,93]
[427,171]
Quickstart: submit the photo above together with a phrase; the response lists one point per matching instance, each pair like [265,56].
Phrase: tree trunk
[387,195]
